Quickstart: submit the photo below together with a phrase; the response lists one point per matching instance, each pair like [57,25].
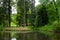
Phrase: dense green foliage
[42,16]
[45,16]
[47,12]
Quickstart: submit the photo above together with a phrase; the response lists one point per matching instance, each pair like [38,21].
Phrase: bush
[57,27]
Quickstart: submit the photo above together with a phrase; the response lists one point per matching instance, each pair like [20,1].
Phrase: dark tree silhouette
[42,16]
[9,12]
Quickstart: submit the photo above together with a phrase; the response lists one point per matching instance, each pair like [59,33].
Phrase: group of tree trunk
[25,8]
[26,13]
[5,12]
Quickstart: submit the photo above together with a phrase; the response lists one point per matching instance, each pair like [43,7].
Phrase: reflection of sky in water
[13,38]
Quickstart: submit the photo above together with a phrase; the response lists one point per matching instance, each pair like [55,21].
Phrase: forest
[24,20]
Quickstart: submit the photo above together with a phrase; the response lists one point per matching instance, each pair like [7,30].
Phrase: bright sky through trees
[14,8]
[36,2]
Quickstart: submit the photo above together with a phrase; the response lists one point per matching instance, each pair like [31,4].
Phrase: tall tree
[3,12]
[32,7]
[9,12]
[54,3]
[20,12]
[7,8]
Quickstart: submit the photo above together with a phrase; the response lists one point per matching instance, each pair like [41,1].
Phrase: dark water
[23,36]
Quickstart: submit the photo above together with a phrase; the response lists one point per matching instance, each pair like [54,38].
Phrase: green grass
[47,29]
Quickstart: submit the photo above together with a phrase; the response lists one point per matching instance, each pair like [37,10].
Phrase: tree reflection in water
[24,36]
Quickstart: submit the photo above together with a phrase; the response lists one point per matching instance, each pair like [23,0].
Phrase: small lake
[23,36]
